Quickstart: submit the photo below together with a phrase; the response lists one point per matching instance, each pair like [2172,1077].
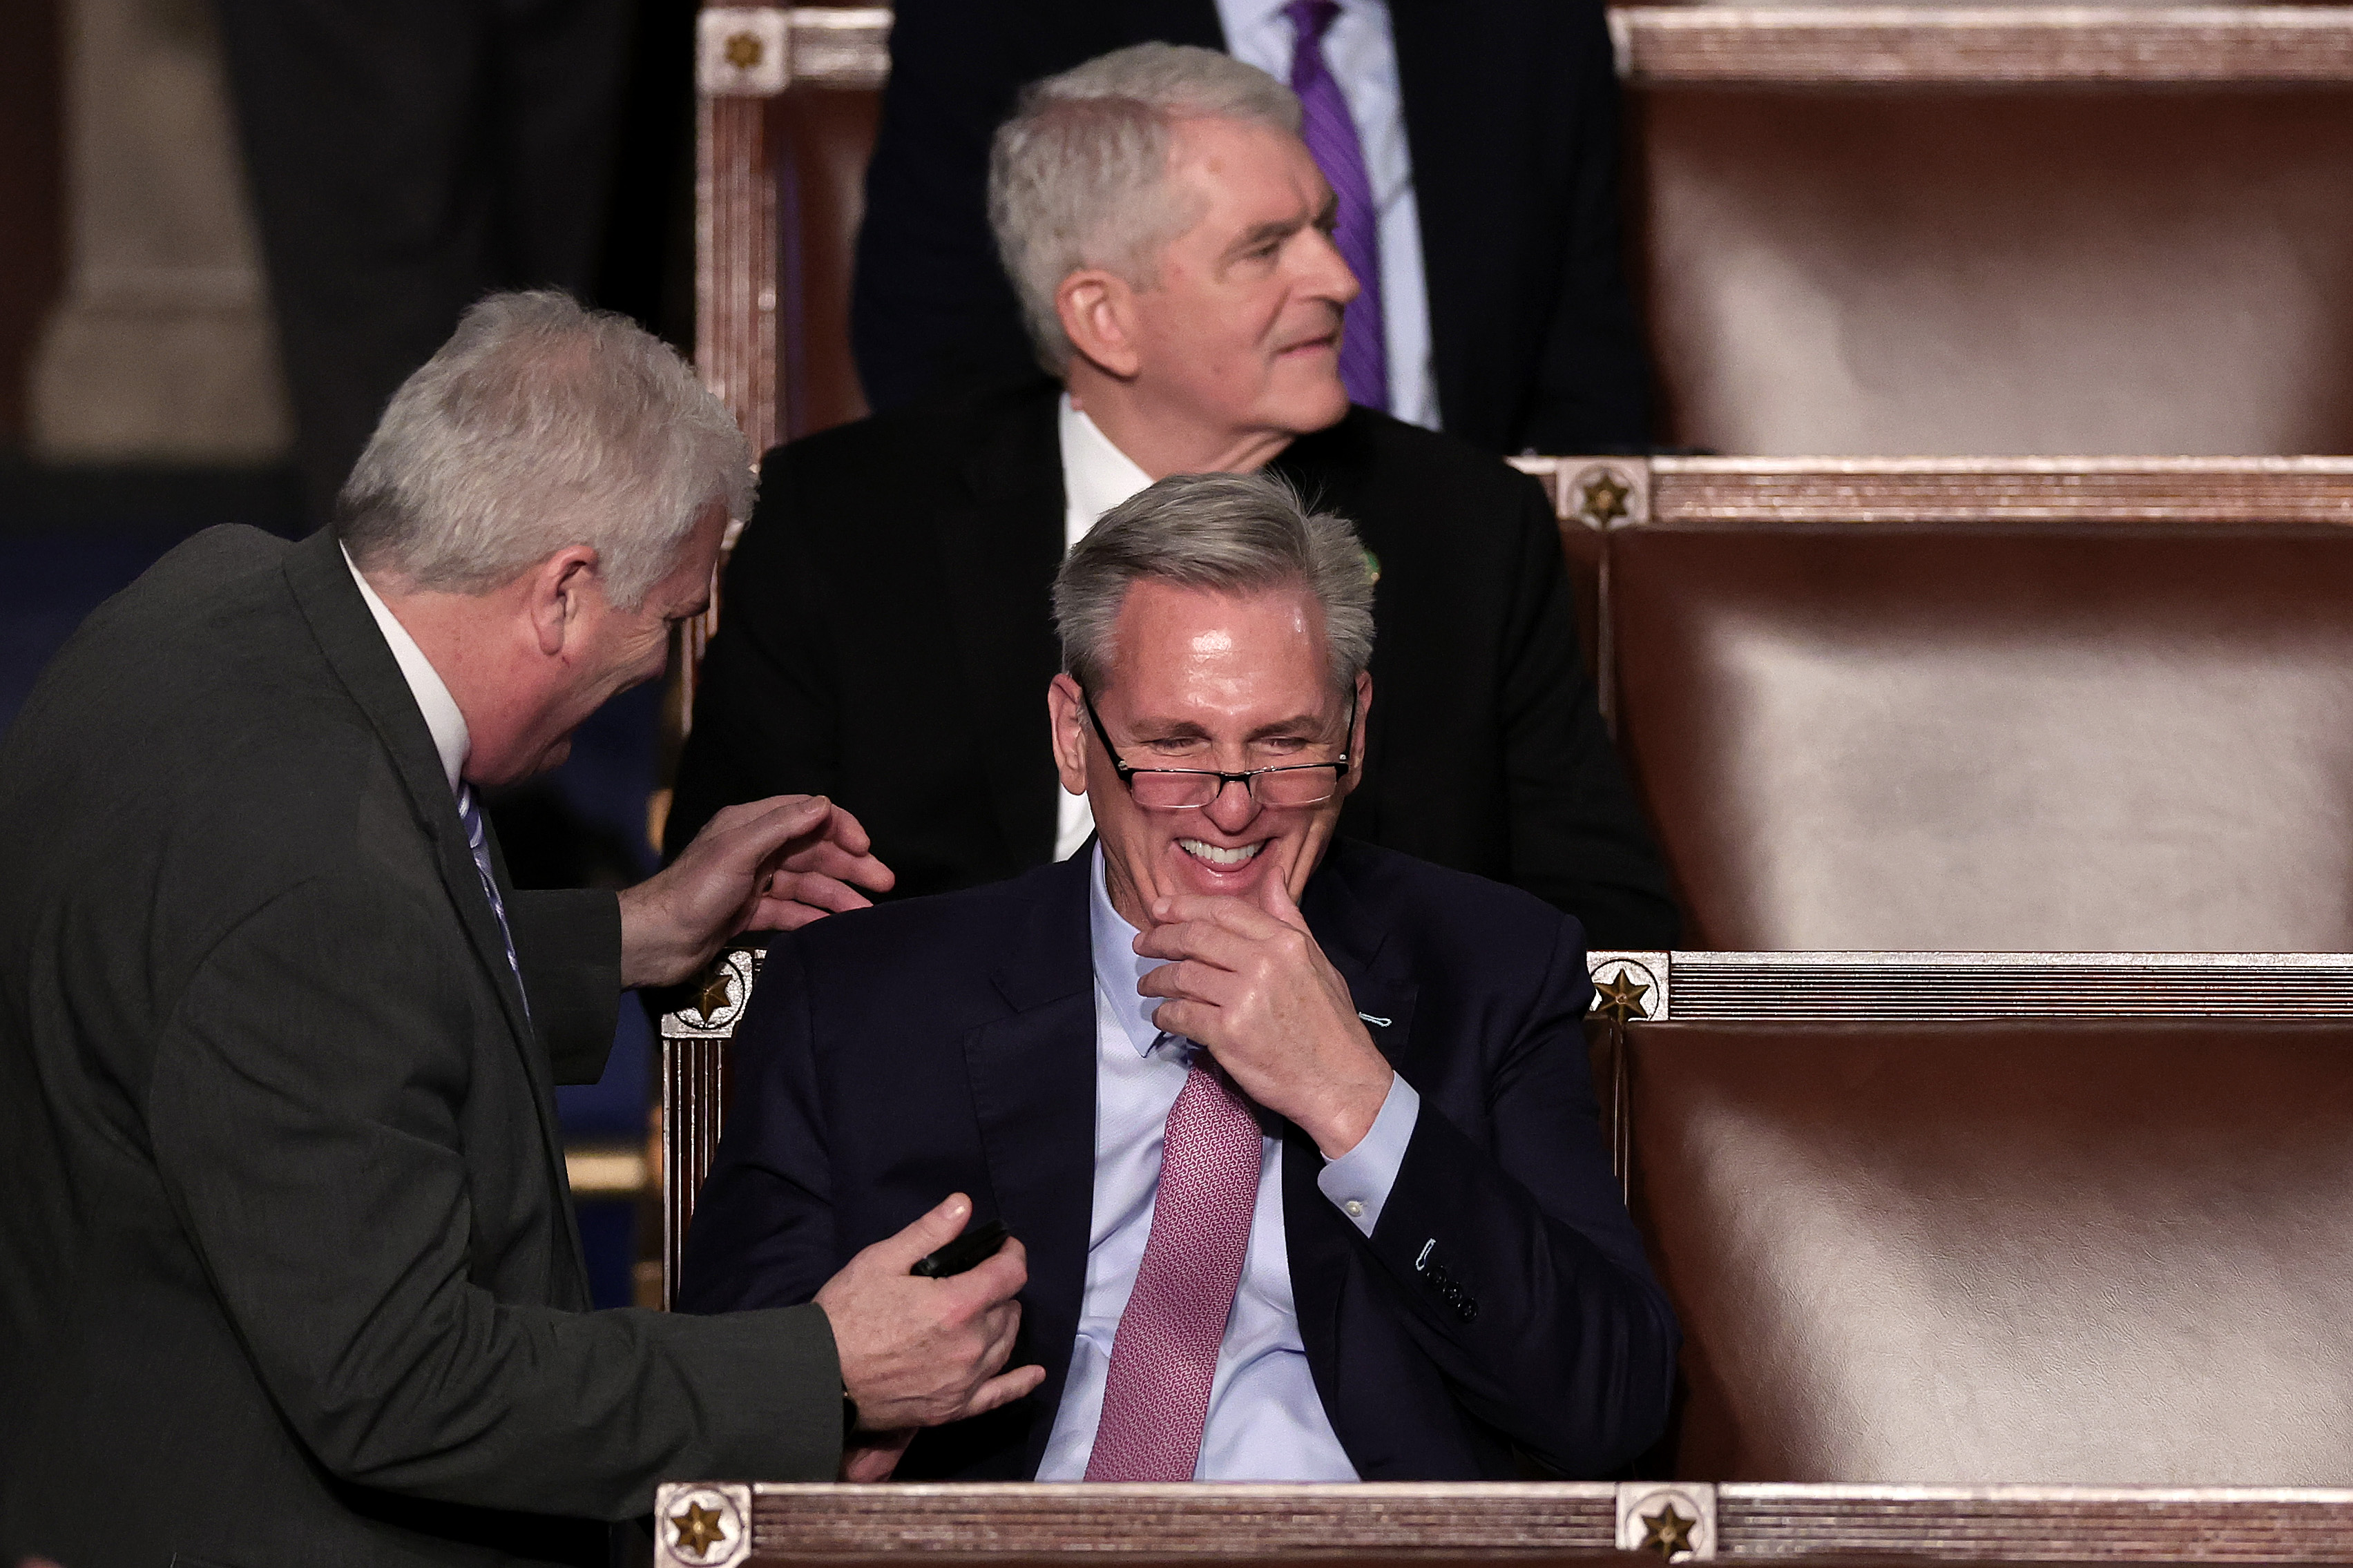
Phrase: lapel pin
[1368,1018]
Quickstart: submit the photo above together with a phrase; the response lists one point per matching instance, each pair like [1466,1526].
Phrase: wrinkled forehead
[1181,650]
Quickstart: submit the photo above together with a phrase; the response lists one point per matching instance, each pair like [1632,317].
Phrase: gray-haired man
[287,1270]
[885,635]
[1300,1132]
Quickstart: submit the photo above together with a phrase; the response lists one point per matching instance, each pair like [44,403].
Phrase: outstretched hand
[916,1351]
[770,865]
[1251,984]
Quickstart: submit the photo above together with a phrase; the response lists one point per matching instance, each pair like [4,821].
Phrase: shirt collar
[1118,966]
[1096,475]
[443,719]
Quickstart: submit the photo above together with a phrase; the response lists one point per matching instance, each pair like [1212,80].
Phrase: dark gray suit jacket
[288,1274]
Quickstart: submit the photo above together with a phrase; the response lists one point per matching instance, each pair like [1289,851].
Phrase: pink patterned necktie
[1164,1356]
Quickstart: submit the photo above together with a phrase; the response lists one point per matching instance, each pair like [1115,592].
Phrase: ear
[1066,711]
[556,595]
[1097,309]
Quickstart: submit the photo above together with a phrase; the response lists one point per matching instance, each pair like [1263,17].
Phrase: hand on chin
[1250,879]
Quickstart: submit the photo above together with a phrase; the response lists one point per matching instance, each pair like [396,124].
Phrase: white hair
[1231,533]
[539,425]
[1076,177]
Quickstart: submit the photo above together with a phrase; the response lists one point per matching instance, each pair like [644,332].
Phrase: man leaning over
[287,1270]
[1300,1132]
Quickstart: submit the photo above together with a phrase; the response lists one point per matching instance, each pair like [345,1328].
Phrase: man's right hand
[919,1352]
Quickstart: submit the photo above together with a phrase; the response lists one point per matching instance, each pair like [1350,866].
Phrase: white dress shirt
[1362,56]
[1266,1422]
[447,724]
[1096,476]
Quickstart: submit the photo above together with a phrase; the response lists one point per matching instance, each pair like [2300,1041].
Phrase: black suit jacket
[886,638]
[894,1056]
[288,1271]
[1511,118]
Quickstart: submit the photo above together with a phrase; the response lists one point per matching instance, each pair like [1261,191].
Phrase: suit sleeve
[1578,839]
[930,308]
[304,1111]
[764,704]
[568,945]
[1593,377]
[1521,1274]
[764,1232]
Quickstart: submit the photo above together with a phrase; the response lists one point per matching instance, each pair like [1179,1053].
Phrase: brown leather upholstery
[1933,269]
[2026,1252]
[2002,736]
[822,138]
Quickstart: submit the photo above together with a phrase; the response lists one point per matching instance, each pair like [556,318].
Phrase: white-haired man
[288,1273]
[885,632]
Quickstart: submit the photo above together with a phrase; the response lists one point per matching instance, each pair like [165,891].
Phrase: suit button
[1467,1311]
[1354,1208]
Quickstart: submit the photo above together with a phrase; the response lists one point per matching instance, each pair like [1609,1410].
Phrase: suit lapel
[1321,1244]
[1033,1092]
[356,650]
[1000,550]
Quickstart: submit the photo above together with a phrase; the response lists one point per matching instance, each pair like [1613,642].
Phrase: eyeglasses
[1190,789]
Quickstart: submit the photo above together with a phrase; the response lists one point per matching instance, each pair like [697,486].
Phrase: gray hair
[539,425]
[1076,177]
[1230,533]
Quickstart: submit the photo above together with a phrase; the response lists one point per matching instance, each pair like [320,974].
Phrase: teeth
[1218,856]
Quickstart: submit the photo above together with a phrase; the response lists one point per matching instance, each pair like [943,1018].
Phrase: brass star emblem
[1622,999]
[714,995]
[1668,1532]
[744,50]
[1605,496]
[697,1529]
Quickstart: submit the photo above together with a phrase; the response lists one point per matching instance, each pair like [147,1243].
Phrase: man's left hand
[1250,985]
[771,864]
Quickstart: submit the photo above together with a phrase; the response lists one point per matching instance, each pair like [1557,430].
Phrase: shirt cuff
[1359,1181]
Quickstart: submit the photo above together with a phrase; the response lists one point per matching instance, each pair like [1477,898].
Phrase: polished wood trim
[1793,45]
[1959,987]
[1435,1523]
[821,45]
[1833,46]
[1183,1519]
[2000,489]
[695,1094]
[2037,1524]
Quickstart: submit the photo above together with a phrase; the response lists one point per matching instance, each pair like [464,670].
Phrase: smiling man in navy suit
[1299,1132]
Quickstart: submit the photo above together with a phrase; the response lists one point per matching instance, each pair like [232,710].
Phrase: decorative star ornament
[744,50]
[1667,1532]
[1622,999]
[1605,498]
[697,1529]
[713,996]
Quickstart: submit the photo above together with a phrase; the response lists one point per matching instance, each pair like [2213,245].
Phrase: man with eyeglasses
[1299,1132]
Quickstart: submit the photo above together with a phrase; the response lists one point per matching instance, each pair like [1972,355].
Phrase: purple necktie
[1164,1357]
[1332,142]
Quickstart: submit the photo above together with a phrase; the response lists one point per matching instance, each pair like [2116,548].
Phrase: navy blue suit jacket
[1501,1311]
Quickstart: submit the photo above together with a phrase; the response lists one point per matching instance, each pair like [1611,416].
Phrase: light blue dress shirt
[1266,1422]
[1362,55]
